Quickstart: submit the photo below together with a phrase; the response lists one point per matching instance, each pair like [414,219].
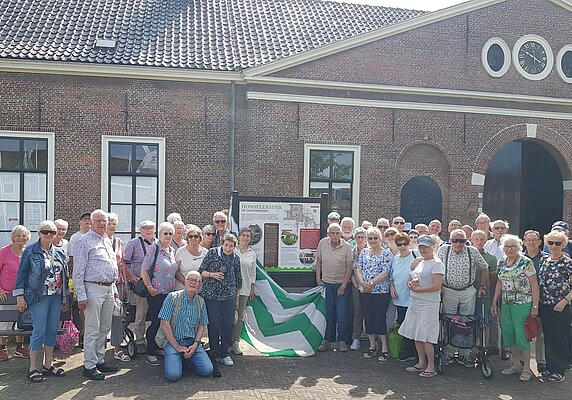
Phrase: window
[26,181]
[133,174]
[334,170]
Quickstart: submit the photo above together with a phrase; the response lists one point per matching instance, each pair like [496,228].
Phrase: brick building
[146,108]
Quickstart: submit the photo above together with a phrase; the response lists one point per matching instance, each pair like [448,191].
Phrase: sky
[426,5]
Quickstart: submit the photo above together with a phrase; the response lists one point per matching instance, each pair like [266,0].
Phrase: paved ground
[254,376]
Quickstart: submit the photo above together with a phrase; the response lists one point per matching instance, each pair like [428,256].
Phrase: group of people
[95,272]
[377,275]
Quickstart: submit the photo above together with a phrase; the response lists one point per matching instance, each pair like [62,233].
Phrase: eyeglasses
[510,246]
[413,237]
[62,230]
[498,228]
[101,221]
[193,280]
[383,226]
[220,221]
[390,234]
[373,238]
[210,233]
[168,233]
[48,232]
[551,243]
[194,236]
[398,223]
[360,237]
[401,244]
[458,240]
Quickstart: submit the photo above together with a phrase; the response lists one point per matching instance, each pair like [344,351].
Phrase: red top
[9,263]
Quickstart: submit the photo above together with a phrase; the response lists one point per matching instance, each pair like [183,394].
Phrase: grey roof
[221,35]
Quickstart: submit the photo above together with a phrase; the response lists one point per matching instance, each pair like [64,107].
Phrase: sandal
[383,357]
[370,353]
[414,368]
[53,371]
[121,356]
[35,376]
[427,374]
[556,378]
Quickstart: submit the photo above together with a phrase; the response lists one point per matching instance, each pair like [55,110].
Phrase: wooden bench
[9,313]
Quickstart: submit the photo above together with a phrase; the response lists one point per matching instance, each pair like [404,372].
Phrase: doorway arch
[421,200]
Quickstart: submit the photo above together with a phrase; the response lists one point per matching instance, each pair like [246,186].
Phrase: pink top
[9,263]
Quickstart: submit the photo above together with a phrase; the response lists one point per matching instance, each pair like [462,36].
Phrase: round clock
[495,57]
[564,63]
[533,57]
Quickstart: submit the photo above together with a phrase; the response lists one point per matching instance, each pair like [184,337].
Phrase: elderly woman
[517,285]
[389,236]
[41,285]
[398,279]
[190,257]
[248,272]
[178,242]
[209,234]
[220,222]
[121,285]
[159,262]
[373,268]
[222,281]
[421,322]
[555,276]
[9,260]
[59,240]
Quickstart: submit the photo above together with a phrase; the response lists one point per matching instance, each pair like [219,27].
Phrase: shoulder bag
[139,287]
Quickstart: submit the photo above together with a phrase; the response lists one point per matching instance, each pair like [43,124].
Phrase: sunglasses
[401,244]
[194,236]
[48,232]
[498,228]
[372,238]
[210,233]
[413,237]
[220,221]
[551,243]
[458,240]
[390,234]
[398,223]
[168,233]
[383,226]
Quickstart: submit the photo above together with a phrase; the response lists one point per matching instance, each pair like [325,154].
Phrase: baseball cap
[146,223]
[425,240]
[560,225]
[85,214]
[334,215]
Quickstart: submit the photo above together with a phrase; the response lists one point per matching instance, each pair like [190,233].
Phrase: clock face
[532,57]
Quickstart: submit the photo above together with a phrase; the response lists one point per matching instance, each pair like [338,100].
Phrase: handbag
[139,287]
[24,322]
[395,342]
[68,338]
[531,328]
[160,337]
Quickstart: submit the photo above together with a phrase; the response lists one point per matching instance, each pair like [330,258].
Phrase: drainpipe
[232,132]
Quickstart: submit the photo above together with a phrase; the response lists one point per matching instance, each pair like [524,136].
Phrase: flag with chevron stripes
[280,323]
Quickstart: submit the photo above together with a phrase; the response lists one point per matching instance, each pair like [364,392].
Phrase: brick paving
[331,375]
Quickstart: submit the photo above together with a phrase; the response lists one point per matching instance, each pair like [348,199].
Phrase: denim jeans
[221,323]
[45,321]
[200,362]
[336,312]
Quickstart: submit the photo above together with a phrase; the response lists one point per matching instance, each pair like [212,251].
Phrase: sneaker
[343,347]
[4,355]
[405,357]
[355,344]
[235,348]
[448,359]
[227,361]
[511,371]
[22,352]
[325,346]
[467,361]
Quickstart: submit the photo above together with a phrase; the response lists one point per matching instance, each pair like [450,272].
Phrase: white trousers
[98,315]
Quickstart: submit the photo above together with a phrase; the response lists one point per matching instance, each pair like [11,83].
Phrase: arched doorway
[523,185]
[421,200]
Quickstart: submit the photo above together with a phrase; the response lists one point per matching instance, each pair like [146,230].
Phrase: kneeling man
[183,320]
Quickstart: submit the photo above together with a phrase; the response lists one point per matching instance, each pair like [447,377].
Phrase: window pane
[5,239]
[342,198]
[35,187]
[35,154]
[34,213]
[9,215]
[319,164]
[9,186]
[146,190]
[319,185]
[124,236]
[121,189]
[120,158]
[146,158]
[343,162]
[145,212]
[124,213]
[317,192]
[9,153]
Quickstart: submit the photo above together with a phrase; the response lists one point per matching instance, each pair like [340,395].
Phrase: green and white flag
[280,323]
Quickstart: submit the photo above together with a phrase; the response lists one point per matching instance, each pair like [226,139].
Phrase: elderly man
[383,225]
[334,259]
[183,320]
[483,223]
[462,263]
[422,229]
[84,227]
[500,228]
[135,251]
[94,274]
[435,227]
[333,218]
[398,223]
[219,221]
[479,238]
[348,225]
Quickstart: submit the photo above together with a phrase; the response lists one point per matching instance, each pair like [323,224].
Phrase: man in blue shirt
[183,320]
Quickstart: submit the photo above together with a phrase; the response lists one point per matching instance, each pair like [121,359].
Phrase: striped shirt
[187,318]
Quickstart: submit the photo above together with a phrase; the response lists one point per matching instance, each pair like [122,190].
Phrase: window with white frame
[133,181]
[26,181]
[334,170]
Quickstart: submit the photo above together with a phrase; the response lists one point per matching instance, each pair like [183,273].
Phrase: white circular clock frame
[549,57]
[507,57]
[559,58]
